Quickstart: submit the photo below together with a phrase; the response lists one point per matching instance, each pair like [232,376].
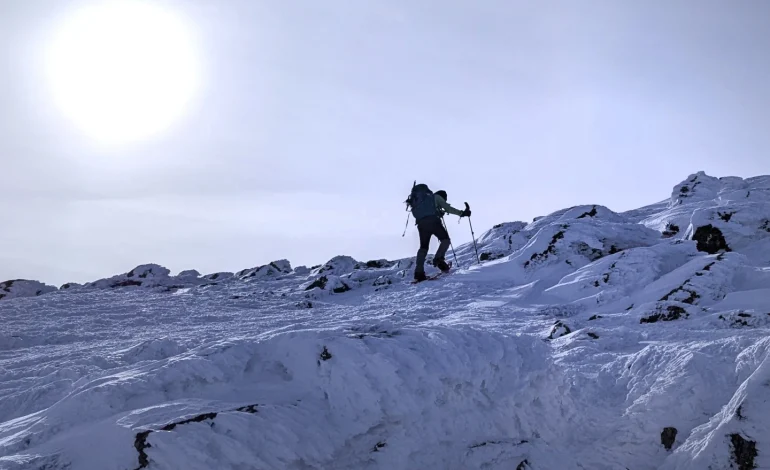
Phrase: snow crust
[584,339]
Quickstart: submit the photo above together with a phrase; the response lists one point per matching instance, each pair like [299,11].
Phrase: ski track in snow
[586,339]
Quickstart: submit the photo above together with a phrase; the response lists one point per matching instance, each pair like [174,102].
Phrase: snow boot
[419,277]
[441,264]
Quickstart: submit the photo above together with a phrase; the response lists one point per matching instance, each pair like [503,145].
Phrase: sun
[122,70]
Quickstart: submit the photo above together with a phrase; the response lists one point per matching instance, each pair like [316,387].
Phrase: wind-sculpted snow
[736,435]
[584,339]
[23,288]
[733,213]
[146,274]
[353,398]
[271,270]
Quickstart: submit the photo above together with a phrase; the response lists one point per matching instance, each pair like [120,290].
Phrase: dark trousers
[428,227]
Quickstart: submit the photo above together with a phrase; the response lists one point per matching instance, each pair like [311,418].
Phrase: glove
[466,213]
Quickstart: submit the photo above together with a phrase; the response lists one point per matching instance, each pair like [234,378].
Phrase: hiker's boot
[441,264]
[418,277]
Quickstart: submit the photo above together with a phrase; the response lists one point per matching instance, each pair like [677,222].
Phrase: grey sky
[314,118]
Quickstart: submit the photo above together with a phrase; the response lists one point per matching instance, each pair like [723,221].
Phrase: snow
[272,269]
[584,339]
[23,288]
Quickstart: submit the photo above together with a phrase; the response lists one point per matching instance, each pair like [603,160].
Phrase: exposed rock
[502,240]
[376,331]
[672,312]
[698,186]
[487,256]
[301,270]
[591,253]
[338,265]
[192,273]
[219,276]
[710,239]
[376,264]
[744,452]
[559,329]
[690,298]
[331,283]
[551,249]
[319,283]
[726,216]
[325,354]
[140,440]
[382,281]
[146,275]
[16,288]
[341,289]
[668,437]
[740,319]
[671,230]
[272,269]
[591,213]
[145,271]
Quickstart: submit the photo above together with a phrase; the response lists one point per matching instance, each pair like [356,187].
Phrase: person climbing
[428,209]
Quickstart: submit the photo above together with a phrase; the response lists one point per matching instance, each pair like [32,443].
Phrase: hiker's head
[442,193]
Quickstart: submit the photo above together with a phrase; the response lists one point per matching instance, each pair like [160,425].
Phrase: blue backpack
[422,202]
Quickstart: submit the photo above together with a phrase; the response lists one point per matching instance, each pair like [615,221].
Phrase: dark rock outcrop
[671,230]
[671,312]
[559,329]
[744,452]
[710,239]
[668,437]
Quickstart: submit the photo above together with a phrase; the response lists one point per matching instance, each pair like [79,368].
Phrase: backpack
[421,202]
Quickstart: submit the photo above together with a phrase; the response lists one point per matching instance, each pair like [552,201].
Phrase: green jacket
[445,207]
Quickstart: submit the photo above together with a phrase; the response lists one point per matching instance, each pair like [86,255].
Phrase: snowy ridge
[584,339]
[23,288]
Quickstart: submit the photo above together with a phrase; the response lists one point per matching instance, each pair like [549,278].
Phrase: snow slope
[587,339]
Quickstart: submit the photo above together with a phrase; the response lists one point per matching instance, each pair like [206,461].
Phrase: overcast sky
[313,119]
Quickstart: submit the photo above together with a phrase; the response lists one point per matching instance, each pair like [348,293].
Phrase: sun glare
[122,70]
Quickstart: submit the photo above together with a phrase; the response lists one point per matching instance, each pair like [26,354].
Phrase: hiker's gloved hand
[466,212]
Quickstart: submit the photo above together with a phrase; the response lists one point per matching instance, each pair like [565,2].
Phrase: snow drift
[23,288]
[439,396]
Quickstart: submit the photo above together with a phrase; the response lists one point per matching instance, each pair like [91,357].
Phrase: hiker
[428,208]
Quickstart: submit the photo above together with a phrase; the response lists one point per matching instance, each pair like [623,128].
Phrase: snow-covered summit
[583,339]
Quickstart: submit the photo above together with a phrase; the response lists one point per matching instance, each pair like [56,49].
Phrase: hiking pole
[450,243]
[468,208]
[407,209]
